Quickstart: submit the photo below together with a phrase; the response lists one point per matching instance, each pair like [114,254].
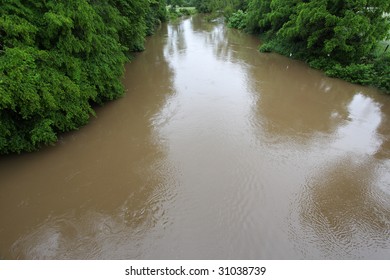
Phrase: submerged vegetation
[57,59]
[346,39]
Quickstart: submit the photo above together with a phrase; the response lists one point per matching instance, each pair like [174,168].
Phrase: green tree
[227,7]
[175,3]
[337,36]
[203,6]
[343,30]
[256,16]
[59,57]
[156,13]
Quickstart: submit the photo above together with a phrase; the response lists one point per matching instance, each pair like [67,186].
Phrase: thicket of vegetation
[340,37]
[59,58]
[346,39]
[224,7]
[181,3]
[178,8]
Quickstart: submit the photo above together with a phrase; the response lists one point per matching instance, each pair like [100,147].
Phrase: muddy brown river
[217,151]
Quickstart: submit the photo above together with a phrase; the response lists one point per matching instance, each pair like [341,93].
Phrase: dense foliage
[225,7]
[57,58]
[237,20]
[340,37]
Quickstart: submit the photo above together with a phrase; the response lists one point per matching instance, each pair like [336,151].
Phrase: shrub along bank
[58,58]
[346,39]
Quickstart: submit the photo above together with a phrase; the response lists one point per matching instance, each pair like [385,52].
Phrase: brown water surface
[216,152]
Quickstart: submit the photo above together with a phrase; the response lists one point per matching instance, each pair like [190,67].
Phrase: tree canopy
[341,37]
[226,7]
[58,58]
[344,30]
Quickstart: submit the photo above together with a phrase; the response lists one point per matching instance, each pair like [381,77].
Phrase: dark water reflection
[216,152]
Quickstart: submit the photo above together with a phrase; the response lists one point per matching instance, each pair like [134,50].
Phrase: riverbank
[374,70]
[58,61]
[217,151]
[340,42]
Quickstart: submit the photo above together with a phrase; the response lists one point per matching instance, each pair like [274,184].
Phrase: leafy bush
[374,73]
[382,73]
[173,13]
[187,11]
[238,20]
[340,39]
[203,6]
[357,73]
[56,59]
